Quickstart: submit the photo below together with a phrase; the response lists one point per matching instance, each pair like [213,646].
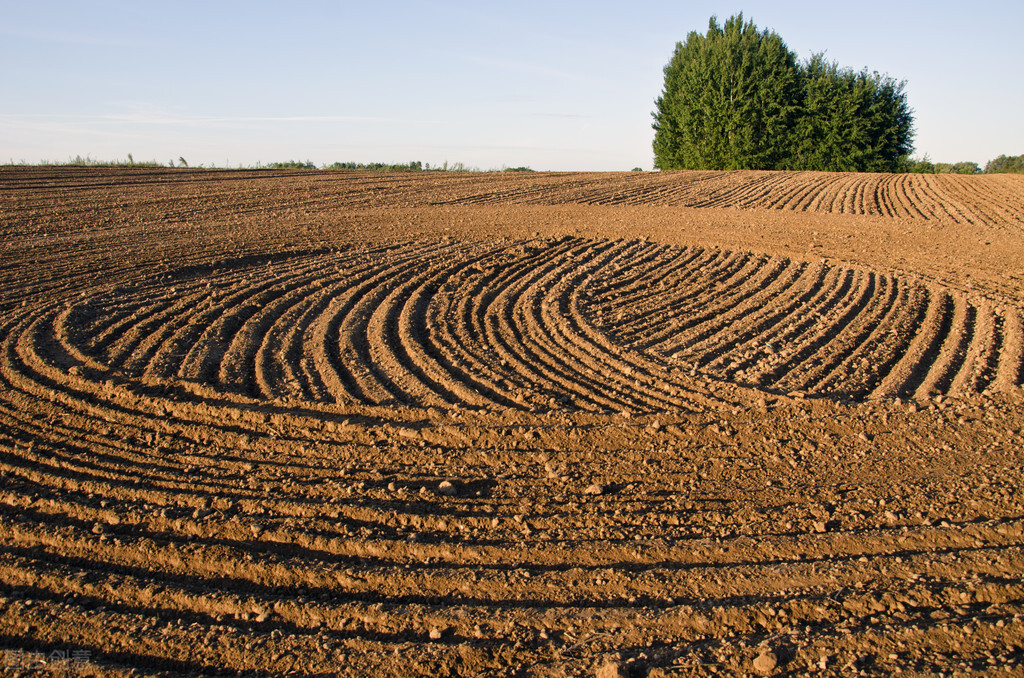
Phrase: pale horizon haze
[549,85]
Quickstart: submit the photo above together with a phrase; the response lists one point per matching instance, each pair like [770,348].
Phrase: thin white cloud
[57,36]
[520,66]
[571,116]
[56,124]
[97,123]
[200,120]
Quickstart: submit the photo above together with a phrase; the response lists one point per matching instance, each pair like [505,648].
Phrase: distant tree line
[413,166]
[1004,164]
[737,98]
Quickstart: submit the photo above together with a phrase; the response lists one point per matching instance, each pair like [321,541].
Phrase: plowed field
[629,424]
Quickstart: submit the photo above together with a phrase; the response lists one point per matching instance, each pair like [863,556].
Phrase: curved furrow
[953,350]
[541,314]
[721,328]
[544,315]
[631,290]
[902,194]
[663,387]
[927,335]
[883,194]
[783,333]
[644,261]
[464,309]
[504,320]
[400,336]
[804,340]
[802,191]
[505,326]
[609,296]
[949,198]
[856,324]
[341,339]
[306,364]
[865,345]
[84,463]
[596,367]
[1010,370]
[465,312]
[758,192]
[754,329]
[649,379]
[752,193]
[376,339]
[686,307]
[1006,196]
[475,314]
[981,352]
[689,192]
[193,346]
[277,369]
[881,348]
[756,318]
[855,202]
[292,344]
[845,199]
[888,195]
[823,196]
[1000,196]
[241,366]
[781,192]
[123,310]
[716,308]
[973,201]
[130,345]
[27,371]
[330,343]
[659,324]
[454,340]
[922,197]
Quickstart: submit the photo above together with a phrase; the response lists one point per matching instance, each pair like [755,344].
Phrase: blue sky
[552,85]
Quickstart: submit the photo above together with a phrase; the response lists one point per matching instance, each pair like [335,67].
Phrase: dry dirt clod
[765,663]
[611,669]
[447,488]
[595,489]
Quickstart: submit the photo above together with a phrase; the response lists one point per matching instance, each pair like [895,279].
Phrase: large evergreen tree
[736,98]
[729,100]
[851,121]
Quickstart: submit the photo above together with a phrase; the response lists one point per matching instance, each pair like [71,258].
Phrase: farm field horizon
[313,423]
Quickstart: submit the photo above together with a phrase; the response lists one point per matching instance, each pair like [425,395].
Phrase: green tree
[851,121]
[1012,164]
[919,166]
[963,167]
[736,98]
[730,100]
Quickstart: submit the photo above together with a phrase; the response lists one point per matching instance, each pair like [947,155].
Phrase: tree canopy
[737,98]
[729,98]
[1010,164]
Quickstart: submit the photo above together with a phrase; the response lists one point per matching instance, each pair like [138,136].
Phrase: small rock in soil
[611,669]
[765,663]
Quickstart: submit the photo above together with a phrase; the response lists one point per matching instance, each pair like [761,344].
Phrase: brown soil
[677,423]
